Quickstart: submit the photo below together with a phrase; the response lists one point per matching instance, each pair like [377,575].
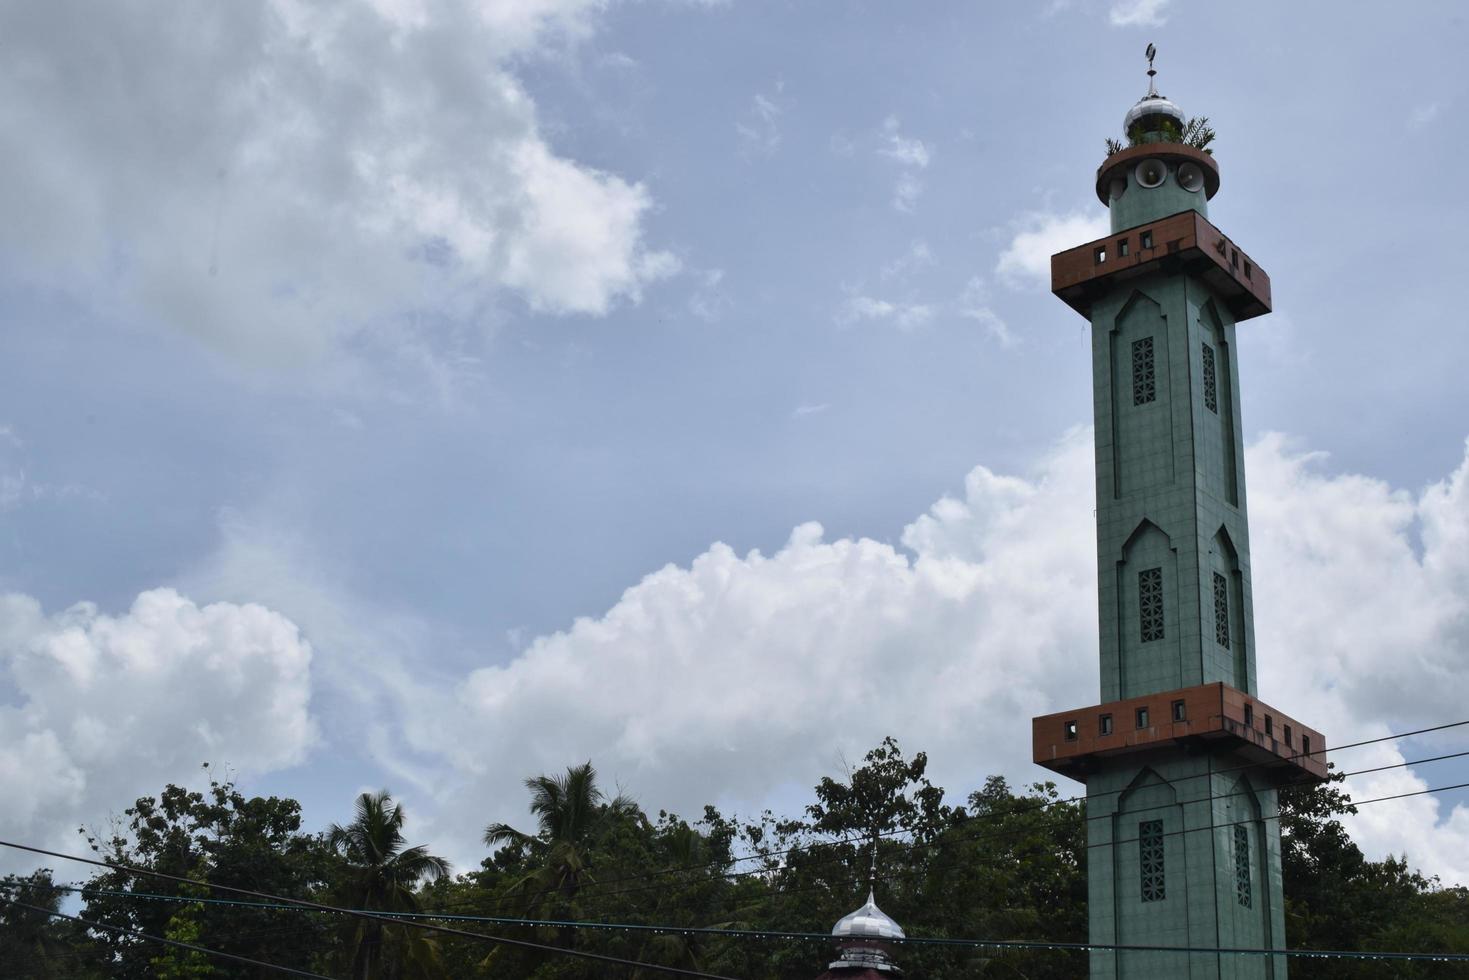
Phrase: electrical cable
[409,918]
[93,924]
[890,876]
[826,937]
[592,887]
[378,916]
[917,872]
[950,841]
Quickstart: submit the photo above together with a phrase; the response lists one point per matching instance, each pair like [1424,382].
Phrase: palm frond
[503,833]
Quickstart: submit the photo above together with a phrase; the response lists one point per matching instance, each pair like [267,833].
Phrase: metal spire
[1152,52]
[872,871]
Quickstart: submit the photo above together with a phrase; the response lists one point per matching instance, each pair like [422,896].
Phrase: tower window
[1150,604]
[1248,268]
[1221,610]
[1249,716]
[1242,865]
[1121,247]
[1305,745]
[1145,240]
[1288,741]
[1211,391]
[1180,711]
[1150,860]
[1269,726]
[1104,725]
[1144,380]
[1142,718]
[1233,259]
[1071,730]
[1101,255]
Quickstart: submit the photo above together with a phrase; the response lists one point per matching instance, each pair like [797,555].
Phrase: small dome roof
[1153,105]
[868,922]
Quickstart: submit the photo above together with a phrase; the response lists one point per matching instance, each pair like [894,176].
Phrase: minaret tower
[1181,761]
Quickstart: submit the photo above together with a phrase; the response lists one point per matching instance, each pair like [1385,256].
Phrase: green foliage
[216,836]
[38,946]
[382,875]
[184,926]
[1003,863]
[1337,899]
[1195,132]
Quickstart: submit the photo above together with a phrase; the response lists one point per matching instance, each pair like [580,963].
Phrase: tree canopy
[998,863]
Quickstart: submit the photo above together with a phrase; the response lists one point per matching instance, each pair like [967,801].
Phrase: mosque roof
[868,922]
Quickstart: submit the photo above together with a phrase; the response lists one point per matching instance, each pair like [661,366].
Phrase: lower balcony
[1210,717]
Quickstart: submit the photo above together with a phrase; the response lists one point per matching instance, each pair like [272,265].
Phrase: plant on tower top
[1196,132]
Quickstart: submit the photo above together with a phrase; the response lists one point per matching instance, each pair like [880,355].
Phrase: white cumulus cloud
[742,673]
[271,174]
[1026,261]
[738,676]
[100,709]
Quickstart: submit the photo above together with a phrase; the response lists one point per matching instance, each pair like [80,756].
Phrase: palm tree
[382,876]
[571,813]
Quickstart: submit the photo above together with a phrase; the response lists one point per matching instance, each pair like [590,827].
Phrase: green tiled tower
[1181,761]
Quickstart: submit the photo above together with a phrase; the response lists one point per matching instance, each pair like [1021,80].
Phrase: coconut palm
[382,876]
[571,813]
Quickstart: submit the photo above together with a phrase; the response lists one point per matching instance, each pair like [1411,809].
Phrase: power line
[827,937]
[914,845]
[916,872]
[866,838]
[410,918]
[950,841]
[120,930]
[356,913]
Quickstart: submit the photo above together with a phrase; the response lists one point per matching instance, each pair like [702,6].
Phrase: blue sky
[386,374]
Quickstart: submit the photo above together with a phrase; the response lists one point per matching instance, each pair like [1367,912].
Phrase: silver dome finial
[868,922]
[1152,104]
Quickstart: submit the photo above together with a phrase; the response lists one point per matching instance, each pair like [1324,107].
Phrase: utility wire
[827,937]
[120,930]
[914,845]
[984,836]
[866,838]
[918,872]
[409,918]
[360,914]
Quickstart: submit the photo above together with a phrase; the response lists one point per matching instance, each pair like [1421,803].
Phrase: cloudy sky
[429,394]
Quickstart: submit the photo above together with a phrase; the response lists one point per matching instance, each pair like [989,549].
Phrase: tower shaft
[1181,760]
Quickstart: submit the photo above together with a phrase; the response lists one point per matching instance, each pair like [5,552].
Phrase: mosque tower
[1181,760]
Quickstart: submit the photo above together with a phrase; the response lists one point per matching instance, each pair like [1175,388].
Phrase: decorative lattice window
[1150,859]
[1221,610]
[1144,380]
[1150,603]
[1211,390]
[1242,866]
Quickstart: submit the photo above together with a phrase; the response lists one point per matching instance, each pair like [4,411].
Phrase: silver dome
[1152,105]
[868,922]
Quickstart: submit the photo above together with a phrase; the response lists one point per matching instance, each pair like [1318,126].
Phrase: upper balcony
[1210,716]
[1183,242]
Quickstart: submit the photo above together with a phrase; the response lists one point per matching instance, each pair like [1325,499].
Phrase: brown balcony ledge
[1184,242]
[1210,717]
